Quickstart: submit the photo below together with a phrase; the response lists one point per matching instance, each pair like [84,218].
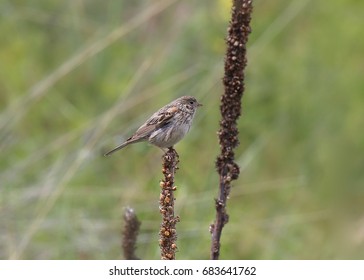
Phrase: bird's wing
[157,120]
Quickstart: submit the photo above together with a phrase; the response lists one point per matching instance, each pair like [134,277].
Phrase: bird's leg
[163,149]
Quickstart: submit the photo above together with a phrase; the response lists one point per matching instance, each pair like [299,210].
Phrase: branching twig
[167,233]
[235,62]
[130,234]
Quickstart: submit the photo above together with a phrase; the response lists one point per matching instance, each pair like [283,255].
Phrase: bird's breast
[169,135]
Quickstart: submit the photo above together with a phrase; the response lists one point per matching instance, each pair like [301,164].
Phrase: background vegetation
[76,77]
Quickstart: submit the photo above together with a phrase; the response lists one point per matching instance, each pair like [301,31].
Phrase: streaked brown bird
[167,126]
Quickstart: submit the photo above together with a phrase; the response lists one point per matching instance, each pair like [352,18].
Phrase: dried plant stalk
[130,234]
[167,233]
[235,62]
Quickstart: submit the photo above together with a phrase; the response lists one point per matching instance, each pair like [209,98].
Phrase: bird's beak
[199,104]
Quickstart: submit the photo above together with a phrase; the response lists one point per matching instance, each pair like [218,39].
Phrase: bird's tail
[117,148]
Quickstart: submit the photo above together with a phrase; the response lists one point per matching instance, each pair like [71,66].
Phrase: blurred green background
[77,77]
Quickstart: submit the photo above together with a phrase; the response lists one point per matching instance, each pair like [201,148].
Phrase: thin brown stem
[235,62]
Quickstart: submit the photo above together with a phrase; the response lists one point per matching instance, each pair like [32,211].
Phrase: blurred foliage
[300,194]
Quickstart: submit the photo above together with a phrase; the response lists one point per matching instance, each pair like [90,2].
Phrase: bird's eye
[191,102]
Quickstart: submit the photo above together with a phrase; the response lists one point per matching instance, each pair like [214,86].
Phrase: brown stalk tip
[130,234]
